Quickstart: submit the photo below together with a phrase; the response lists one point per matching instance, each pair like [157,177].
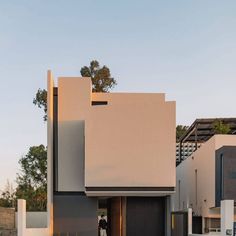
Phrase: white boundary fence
[21,223]
[227,220]
[34,219]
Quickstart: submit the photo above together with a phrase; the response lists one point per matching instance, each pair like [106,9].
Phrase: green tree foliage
[221,128]
[7,196]
[40,100]
[100,76]
[101,82]
[180,130]
[32,181]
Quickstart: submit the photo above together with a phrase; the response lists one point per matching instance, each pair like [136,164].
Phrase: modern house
[198,133]
[207,176]
[109,152]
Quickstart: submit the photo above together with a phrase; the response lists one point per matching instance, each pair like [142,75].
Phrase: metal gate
[179,223]
[145,216]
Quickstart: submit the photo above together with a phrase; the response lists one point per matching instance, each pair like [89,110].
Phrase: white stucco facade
[111,146]
[129,142]
[195,180]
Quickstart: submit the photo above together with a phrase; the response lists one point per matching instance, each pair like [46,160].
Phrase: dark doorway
[145,216]
[111,209]
[197,225]
[103,208]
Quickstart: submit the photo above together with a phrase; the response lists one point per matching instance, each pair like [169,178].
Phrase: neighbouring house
[198,133]
[184,150]
[207,175]
[112,154]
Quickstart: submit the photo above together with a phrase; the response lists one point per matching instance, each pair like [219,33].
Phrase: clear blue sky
[184,48]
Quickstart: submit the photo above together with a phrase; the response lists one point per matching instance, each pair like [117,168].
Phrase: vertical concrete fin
[21,217]
[227,217]
[50,86]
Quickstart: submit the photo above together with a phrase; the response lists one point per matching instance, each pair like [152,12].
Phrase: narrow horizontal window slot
[99,103]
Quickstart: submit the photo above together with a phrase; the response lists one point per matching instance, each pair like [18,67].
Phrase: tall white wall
[74,100]
[50,85]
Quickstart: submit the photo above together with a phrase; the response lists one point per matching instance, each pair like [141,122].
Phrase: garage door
[145,216]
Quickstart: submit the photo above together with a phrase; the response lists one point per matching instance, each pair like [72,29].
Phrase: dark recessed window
[99,103]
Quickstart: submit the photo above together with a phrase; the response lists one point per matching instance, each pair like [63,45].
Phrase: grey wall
[225,174]
[75,214]
[34,219]
[71,156]
[168,215]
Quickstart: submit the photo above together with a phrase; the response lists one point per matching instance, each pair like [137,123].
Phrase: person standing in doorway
[102,226]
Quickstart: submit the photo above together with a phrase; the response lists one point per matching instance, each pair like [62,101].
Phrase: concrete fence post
[227,217]
[190,221]
[21,217]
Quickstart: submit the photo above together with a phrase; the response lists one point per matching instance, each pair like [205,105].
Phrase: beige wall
[129,142]
[7,218]
[203,160]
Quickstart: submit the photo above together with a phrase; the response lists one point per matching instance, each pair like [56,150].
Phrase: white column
[190,220]
[21,217]
[168,216]
[50,152]
[227,217]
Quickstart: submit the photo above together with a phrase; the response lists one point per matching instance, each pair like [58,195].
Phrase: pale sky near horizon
[185,48]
